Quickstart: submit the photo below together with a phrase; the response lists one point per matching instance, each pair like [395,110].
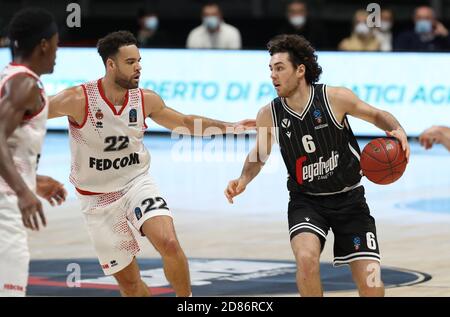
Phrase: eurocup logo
[138,213]
[317,116]
[133,116]
[356,243]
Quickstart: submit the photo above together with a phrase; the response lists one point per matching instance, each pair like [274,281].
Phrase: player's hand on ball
[234,188]
[401,136]
[51,190]
[244,125]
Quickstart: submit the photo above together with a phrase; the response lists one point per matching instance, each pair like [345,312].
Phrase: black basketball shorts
[346,214]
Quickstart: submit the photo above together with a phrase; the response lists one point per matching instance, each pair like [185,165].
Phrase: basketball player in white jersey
[23,114]
[110,165]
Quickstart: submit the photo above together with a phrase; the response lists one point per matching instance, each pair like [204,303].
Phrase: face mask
[362,29]
[423,26]
[297,20]
[211,22]
[151,23]
[385,26]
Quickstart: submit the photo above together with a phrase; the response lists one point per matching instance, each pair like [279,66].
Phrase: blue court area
[439,205]
[210,277]
[192,174]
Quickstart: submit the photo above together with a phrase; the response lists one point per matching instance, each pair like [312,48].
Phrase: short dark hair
[109,45]
[211,4]
[142,12]
[300,52]
[27,28]
[297,2]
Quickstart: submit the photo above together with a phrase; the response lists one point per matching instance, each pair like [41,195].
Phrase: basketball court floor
[243,249]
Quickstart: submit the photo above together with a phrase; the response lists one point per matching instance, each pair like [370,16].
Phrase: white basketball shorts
[14,254]
[109,215]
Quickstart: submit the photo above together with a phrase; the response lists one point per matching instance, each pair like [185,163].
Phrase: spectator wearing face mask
[298,21]
[362,37]
[214,32]
[428,35]
[149,34]
[384,32]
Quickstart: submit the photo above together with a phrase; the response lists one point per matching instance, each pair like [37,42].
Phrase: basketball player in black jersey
[309,122]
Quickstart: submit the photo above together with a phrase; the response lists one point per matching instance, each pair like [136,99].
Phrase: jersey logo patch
[132,117]
[356,243]
[317,114]
[319,170]
[99,114]
[285,123]
[138,213]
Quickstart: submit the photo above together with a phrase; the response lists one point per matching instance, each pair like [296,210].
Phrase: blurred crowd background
[406,25]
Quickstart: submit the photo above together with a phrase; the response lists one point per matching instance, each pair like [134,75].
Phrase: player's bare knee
[170,247]
[307,261]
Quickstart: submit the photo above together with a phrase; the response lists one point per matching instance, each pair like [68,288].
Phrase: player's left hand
[50,189]
[430,136]
[244,125]
[401,136]
[440,29]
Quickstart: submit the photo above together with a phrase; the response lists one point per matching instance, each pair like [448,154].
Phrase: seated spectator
[435,135]
[384,32]
[214,32]
[428,35]
[149,34]
[362,37]
[299,22]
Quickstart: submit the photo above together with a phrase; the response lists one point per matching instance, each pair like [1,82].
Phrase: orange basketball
[383,161]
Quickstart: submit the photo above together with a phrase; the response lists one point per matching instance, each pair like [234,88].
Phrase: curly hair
[109,45]
[300,52]
[27,28]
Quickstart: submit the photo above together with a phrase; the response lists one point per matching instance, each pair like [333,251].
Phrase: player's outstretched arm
[180,123]
[21,97]
[346,102]
[70,102]
[257,157]
[435,134]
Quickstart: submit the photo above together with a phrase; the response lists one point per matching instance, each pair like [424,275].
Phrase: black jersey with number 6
[320,153]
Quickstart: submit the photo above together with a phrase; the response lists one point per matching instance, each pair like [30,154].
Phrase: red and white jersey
[25,143]
[107,148]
